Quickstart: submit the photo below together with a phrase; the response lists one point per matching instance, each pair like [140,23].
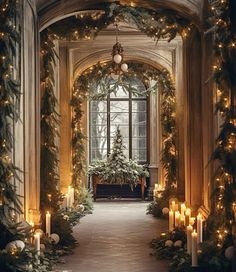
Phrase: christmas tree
[117,161]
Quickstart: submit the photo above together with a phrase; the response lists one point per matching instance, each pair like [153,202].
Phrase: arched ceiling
[50,11]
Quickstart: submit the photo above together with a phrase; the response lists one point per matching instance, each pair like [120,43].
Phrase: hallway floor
[115,238]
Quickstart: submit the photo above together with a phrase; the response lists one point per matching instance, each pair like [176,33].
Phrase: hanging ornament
[230,252]
[124,67]
[117,58]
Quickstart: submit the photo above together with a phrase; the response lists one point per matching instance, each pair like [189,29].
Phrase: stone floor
[115,238]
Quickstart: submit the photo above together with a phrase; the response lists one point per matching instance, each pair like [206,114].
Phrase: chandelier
[118,65]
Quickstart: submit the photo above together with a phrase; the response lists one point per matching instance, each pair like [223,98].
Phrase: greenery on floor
[159,206]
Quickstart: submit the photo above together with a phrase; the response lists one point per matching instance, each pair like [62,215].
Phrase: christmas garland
[98,75]
[222,221]
[85,26]
[50,194]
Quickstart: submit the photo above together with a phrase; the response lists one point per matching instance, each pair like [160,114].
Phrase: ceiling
[53,10]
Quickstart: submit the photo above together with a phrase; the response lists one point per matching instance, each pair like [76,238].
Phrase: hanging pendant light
[118,65]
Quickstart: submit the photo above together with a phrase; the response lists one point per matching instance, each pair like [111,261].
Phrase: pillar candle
[172,206]
[194,249]
[37,242]
[189,239]
[72,196]
[199,228]
[69,196]
[177,219]
[182,208]
[192,220]
[187,216]
[171,220]
[67,200]
[182,221]
[48,223]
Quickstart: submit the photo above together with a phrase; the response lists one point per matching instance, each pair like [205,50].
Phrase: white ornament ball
[230,252]
[81,207]
[178,243]
[124,67]
[55,238]
[117,58]
[39,231]
[169,243]
[17,244]
[165,210]
[42,247]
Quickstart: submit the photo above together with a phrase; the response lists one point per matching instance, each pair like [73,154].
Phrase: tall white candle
[182,208]
[37,242]
[171,220]
[189,239]
[173,206]
[182,221]
[72,196]
[199,228]
[187,216]
[48,223]
[194,249]
[177,219]
[69,196]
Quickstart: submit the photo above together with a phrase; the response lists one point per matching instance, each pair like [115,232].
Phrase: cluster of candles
[158,190]
[182,218]
[70,197]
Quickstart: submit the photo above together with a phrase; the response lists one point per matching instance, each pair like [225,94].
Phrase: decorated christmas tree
[118,168]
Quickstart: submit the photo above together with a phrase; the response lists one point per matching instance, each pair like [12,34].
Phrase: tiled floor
[115,238]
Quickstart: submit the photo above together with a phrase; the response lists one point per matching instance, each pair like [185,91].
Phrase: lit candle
[187,216]
[177,219]
[171,220]
[69,196]
[199,228]
[192,220]
[182,221]
[182,208]
[72,196]
[194,248]
[172,206]
[189,239]
[37,242]
[48,223]
[156,187]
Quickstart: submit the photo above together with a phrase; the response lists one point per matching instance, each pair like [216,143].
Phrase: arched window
[125,110]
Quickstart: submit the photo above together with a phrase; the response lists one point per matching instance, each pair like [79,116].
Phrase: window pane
[139,118]
[98,154]
[98,106]
[139,143]
[119,118]
[138,131]
[119,106]
[99,118]
[139,154]
[98,131]
[124,130]
[139,105]
[99,143]
[119,93]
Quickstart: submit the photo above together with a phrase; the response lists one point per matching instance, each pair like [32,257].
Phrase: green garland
[155,24]
[50,194]
[10,96]
[222,221]
[79,95]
